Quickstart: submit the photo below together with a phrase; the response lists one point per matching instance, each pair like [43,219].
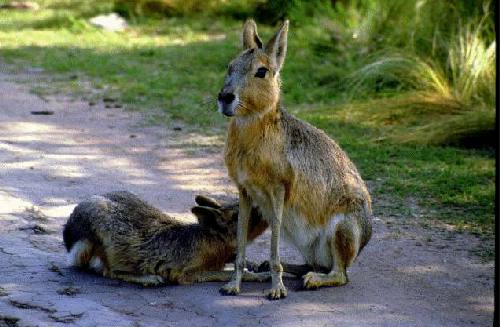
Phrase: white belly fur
[314,243]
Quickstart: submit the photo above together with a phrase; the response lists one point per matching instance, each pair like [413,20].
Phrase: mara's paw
[151,280]
[314,280]
[231,288]
[277,293]
[311,281]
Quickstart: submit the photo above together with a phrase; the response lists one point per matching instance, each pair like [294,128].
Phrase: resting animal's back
[114,227]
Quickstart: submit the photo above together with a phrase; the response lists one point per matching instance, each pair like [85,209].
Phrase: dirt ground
[406,276]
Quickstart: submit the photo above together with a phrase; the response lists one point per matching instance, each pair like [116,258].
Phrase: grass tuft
[463,84]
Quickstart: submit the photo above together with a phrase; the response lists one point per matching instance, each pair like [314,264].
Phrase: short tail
[81,253]
[80,240]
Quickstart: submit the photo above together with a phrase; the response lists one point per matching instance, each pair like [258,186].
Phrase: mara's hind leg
[344,247]
[301,270]
[144,280]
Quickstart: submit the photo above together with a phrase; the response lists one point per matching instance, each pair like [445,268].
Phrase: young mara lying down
[120,236]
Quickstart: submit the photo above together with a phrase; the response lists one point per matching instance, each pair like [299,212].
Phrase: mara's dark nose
[226,98]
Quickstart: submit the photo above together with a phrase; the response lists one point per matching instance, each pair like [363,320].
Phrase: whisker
[242,104]
[209,100]
[209,103]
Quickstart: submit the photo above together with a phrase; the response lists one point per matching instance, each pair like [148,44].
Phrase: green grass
[175,67]
[169,65]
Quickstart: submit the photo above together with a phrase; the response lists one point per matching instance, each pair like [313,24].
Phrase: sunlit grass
[472,67]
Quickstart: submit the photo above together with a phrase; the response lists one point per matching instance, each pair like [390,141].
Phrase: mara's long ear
[251,39]
[206,216]
[207,201]
[276,47]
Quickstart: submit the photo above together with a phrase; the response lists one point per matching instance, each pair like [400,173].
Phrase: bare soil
[408,275]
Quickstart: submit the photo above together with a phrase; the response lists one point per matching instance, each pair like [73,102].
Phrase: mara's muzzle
[226,103]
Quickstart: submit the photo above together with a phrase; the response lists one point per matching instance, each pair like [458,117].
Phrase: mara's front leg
[278,289]
[233,287]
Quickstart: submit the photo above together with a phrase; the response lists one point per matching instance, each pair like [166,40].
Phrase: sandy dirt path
[407,275]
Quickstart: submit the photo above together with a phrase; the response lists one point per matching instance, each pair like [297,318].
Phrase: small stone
[111,22]
[42,112]
[132,136]
[8,321]
[36,229]
[65,319]
[3,292]
[54,268]
[69,291]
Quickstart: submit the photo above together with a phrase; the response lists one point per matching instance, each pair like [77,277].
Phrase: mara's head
[252,83]
[223,219]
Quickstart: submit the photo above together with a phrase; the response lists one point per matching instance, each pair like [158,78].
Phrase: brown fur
[300,178]
[136,242]
[345,245]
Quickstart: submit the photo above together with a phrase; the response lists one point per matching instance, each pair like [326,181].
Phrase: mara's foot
[277,292]
[231,288]
[313,280]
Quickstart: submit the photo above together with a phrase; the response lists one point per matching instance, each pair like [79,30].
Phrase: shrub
[138,8]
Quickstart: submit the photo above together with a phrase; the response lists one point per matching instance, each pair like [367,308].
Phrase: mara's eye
[261,72]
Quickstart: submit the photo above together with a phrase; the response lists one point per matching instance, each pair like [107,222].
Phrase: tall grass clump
[454,66]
